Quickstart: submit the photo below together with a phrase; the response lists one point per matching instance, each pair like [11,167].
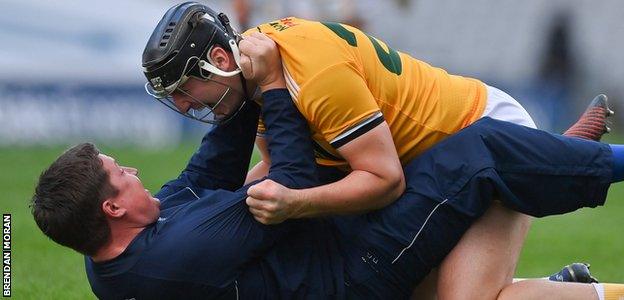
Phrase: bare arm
[377,178]
[261,169]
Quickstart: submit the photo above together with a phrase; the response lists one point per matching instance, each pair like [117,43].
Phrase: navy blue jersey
[208,248]
[206,243]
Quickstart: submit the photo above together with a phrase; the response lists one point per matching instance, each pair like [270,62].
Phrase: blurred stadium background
[70,71]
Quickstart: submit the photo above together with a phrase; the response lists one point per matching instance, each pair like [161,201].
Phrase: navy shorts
[387,252]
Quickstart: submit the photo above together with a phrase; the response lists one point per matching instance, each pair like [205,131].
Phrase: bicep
[350,119]
[373,152]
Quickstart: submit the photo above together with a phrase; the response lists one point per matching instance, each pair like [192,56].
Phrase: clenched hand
[261,61]
[272,203]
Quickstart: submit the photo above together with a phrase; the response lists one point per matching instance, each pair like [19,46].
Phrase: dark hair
[68,199]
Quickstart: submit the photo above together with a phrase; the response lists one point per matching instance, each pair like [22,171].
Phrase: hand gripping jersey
[346,82]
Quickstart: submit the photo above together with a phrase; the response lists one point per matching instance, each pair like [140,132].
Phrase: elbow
[394,188]
[397,185]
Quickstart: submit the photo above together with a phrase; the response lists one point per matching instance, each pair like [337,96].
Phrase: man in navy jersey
[199,240]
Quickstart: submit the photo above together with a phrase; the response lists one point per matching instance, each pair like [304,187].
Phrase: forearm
[260,170]
[358,192]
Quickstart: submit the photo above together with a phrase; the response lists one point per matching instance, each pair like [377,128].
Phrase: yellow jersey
[345,82]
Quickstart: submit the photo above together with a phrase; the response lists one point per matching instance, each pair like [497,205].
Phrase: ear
[112,209]
[222,59]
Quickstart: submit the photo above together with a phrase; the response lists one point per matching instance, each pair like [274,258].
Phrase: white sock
[599,290]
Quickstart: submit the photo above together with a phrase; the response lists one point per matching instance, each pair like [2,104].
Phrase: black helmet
[179,48]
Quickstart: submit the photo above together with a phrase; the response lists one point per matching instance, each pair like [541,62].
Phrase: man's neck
[118,243]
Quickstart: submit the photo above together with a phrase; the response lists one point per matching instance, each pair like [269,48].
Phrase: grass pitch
[42,269]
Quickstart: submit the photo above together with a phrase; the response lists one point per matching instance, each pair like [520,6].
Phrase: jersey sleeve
[339,105]
[222,159]
[289,142]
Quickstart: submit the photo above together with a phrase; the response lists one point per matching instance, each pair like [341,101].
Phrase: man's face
[139,205]
[221,94]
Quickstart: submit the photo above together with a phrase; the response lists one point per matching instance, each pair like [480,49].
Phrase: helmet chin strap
[210,67]
[235,52]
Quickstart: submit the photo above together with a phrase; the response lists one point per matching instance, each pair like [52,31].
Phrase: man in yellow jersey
[370,109]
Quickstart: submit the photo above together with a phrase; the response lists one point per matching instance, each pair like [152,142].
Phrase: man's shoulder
[307,48]
[283,25]
[187,202]
[172,252]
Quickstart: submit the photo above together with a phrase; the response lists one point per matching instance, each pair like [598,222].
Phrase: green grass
[41,269]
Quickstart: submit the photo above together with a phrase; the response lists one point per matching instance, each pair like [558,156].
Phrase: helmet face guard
[179,48]
[205,112]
